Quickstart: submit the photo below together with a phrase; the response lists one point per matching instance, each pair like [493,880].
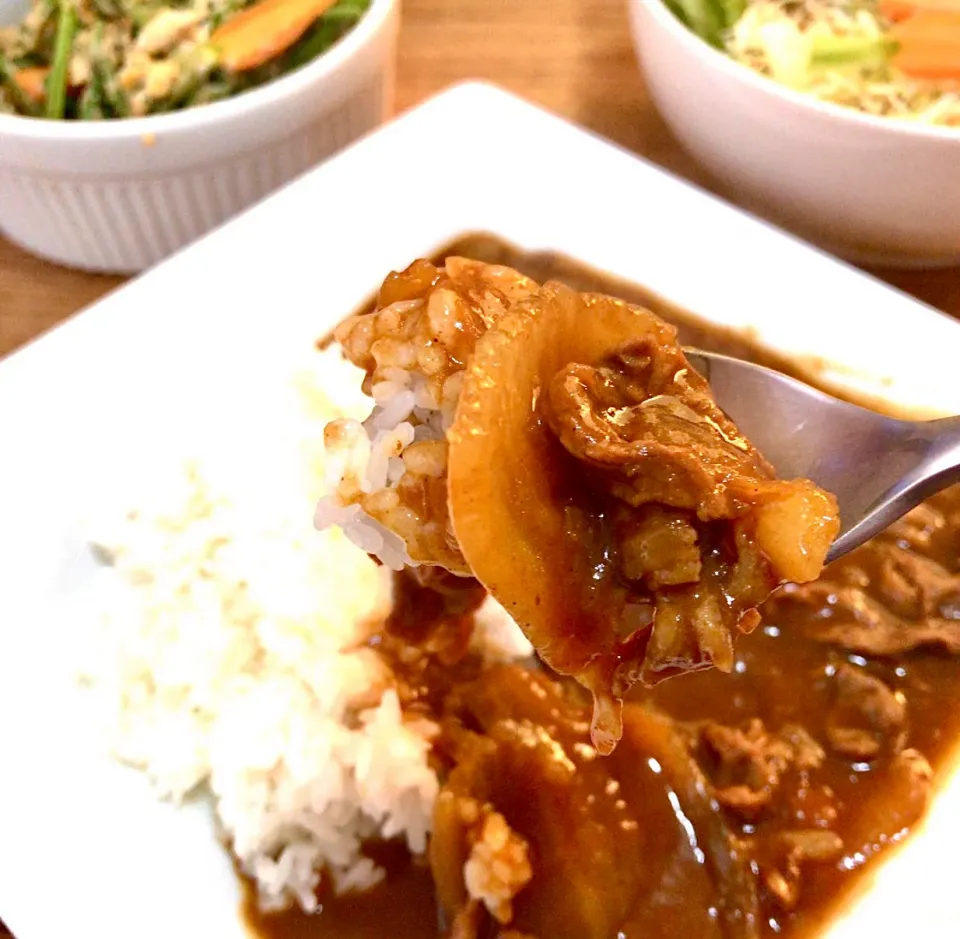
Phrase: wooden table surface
[572,56]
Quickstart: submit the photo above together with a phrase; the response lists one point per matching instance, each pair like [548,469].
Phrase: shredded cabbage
[837,51]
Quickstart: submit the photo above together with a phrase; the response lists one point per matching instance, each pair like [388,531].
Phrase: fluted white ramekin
[121,195]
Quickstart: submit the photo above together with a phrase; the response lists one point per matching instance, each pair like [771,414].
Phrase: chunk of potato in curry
[528,761]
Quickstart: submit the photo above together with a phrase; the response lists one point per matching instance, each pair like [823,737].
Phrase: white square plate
[196,347]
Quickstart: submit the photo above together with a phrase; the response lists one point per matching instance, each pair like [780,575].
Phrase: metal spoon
[878,467]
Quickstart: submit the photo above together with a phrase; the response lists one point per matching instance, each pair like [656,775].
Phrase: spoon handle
[933,450]
[941,466]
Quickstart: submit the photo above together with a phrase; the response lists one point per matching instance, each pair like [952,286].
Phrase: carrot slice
[929,44]
[32,82]
[264,31]
[898,10]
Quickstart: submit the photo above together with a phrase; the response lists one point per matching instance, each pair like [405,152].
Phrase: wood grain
[572,56]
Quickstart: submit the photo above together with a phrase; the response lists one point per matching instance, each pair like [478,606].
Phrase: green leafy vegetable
[347,11]
[709,19]
[706,18]
[733,10]
[60,66]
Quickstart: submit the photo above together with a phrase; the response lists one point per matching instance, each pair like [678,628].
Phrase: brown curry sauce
[786,674]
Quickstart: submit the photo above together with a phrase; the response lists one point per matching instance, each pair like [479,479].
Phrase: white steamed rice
[231,661]
[368,455]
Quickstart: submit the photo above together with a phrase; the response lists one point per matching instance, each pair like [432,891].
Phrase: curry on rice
[381,751]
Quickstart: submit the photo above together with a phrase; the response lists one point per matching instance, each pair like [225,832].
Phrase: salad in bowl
[97,59]
[889,58]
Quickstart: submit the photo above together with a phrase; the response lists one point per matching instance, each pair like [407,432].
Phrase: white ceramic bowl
[869,188]
[121,195]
